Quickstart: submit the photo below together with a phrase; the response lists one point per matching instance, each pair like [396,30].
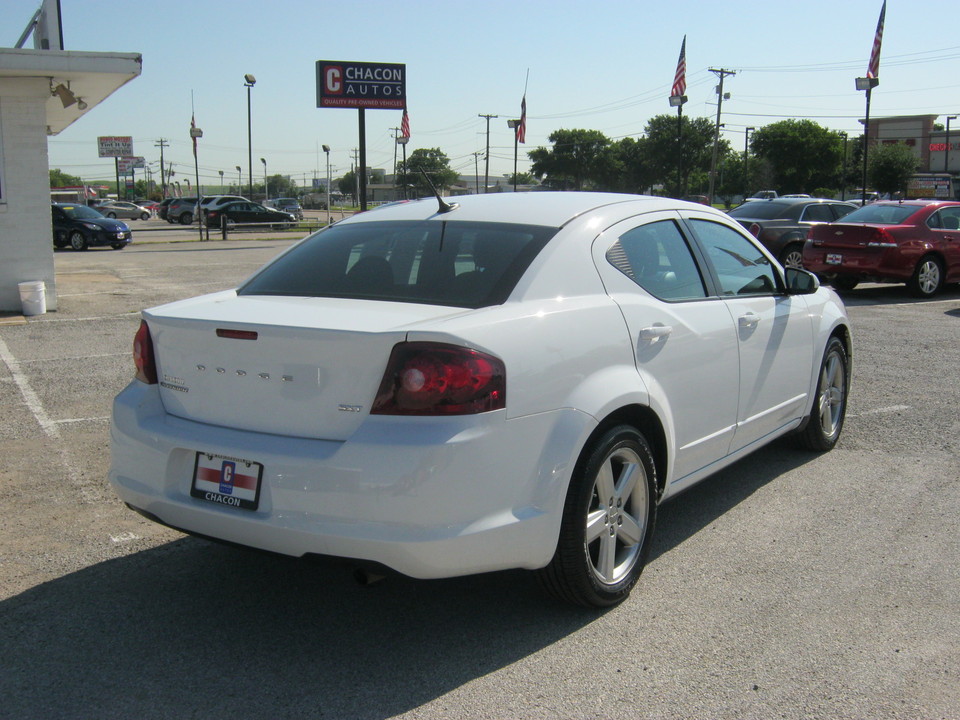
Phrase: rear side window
[656,257]
[464,264]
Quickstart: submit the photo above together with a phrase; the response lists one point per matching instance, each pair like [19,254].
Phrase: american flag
[680,77]
[873,69]
[405,125]
[522,125]
[193,135]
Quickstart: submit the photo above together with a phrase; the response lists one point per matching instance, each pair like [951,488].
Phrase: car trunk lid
[303,367]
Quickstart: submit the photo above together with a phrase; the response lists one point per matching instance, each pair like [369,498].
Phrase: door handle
[656,332]
[750,320]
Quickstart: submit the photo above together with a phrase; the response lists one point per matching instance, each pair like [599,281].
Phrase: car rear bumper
[874,263]
[426,497]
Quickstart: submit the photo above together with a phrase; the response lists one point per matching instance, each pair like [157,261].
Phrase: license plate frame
[834,259]
[228,481]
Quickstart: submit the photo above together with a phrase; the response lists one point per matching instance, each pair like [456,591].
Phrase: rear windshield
[760,210]
[881,214]
[464,264]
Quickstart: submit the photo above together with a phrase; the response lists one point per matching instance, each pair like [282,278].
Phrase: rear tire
[112,215]
[927,278]
[830,402]
[186,218]
[608,522]
[144,216]
[844,283]
[792,256]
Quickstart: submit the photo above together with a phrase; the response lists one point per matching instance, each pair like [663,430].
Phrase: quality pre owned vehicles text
[509,381]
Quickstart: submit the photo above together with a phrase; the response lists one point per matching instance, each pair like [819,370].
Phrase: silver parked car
[122,209]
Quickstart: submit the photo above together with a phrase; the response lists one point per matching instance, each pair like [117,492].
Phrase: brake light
[425,378]
[755,230]
[143,355]
[882,239]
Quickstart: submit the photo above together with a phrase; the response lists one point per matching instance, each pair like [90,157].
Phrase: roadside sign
[126,164]
[342,84]
[115,146]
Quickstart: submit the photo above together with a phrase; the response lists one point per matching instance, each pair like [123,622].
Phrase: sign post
[115,147]
[361,85]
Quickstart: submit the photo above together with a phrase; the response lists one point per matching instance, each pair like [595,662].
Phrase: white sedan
[508,381]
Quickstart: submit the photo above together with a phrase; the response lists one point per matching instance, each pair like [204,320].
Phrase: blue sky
[604,65]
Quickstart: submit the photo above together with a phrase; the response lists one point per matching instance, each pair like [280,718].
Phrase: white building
[41,93]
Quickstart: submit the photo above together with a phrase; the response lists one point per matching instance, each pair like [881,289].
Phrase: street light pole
[249,82]
[221,181]
[746,159]
[266,186]
[946,145]
[867,84]
[512,124]
[326,149]
[239,180]
[843,173]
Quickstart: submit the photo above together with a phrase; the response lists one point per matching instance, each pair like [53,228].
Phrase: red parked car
[916,242]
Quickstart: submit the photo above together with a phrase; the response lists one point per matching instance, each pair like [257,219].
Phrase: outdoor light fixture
[81,105]
[865,83]
[677,100]
[251,80]
[64,93]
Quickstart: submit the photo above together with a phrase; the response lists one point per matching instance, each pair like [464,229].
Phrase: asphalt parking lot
[790,585]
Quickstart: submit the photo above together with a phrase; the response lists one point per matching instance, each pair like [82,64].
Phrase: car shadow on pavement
[196,629]
[893,295]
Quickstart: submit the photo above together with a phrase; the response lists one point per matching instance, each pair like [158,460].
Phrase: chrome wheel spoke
[596,524]
[607,560]
[631,532]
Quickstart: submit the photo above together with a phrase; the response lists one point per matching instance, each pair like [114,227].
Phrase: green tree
[432,162]
[58,178]
[577,159]
[889,167]
[628,168]
[282,186]
[695,151]
[523,178]
[347,185]
[803,154]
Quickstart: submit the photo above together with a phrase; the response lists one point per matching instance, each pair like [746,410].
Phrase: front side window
[656,257]
[463,264]
[741,268]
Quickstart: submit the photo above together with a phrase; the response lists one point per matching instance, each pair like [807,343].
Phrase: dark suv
[182,210]
[781,224]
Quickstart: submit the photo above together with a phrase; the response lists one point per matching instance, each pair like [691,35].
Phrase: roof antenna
[445,207]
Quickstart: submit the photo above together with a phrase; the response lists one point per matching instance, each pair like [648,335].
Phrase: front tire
[78,240]
[144,216]
[186,218]
[608,521]
[927,278]
[830,402]
[112,215]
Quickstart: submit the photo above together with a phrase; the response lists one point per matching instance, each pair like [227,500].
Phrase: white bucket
[33,297]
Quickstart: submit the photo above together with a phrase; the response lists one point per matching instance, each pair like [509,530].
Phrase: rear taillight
[755,230]
[882,239]
[143,355]
[424,378]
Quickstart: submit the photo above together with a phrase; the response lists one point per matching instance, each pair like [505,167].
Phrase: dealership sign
[115,146]
[361,85]
[126,165]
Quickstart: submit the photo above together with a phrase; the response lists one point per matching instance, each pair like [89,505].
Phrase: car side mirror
[800,282]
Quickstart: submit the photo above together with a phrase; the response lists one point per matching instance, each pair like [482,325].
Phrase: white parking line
[51,428]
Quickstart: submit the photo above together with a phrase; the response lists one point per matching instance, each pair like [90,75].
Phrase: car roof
[551,209]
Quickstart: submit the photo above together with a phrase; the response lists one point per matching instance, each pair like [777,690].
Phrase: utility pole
[162,143]
[486,170]
[356,176]
[721,73]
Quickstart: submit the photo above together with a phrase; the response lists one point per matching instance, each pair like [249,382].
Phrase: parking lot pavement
[790,585]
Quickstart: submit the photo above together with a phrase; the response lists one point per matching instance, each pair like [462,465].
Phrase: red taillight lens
[424,378]
[755,230]
[143,355]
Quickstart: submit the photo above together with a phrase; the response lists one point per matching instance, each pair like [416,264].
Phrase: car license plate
[227,481]
[834,259]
